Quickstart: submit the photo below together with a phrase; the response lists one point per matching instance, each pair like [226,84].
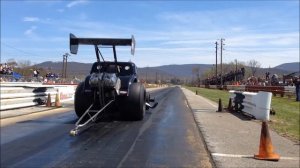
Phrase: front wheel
[136,102]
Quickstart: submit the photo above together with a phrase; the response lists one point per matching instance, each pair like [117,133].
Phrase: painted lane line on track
[187,104]
[248,156]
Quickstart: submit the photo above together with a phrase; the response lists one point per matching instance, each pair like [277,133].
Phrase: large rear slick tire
[136,102]
[82,100]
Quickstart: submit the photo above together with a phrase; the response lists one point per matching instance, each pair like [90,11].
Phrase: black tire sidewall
[82,100]
[136,102]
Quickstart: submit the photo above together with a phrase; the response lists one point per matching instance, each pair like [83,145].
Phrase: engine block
[108,80]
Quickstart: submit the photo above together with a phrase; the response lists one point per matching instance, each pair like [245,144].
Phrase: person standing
[1,69]
[297,84]
[35,73]
[267,75]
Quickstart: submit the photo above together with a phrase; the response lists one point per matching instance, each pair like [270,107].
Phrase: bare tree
[254,65]
[11,62]
[24,63]
[196,71]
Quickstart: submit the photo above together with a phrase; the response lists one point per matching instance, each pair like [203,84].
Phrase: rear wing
[74,42]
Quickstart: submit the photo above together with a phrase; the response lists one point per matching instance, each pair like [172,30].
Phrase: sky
[166,32]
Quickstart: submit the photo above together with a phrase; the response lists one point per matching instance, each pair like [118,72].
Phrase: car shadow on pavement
[242,116]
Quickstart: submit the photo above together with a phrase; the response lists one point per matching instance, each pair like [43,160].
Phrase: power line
[25,52]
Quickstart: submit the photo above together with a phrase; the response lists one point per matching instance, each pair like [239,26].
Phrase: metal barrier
[19,95]
[257,105]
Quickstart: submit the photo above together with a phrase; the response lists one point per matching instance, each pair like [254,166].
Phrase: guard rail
[257,105]
[19,95]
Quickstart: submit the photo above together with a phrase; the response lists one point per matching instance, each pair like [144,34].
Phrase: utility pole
[63,67]
[66,59]
[66,65]
[235,70]
[147,74]
[216,58]
[221,60]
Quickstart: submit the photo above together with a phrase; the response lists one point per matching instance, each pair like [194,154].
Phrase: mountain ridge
[182,71]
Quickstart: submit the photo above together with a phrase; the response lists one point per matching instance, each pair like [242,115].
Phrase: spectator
[297,84]
[267,75]
[1,69]
[36,73]
[11,70]
[243,71]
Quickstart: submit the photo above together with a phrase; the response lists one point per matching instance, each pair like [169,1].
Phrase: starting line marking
[249,156]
